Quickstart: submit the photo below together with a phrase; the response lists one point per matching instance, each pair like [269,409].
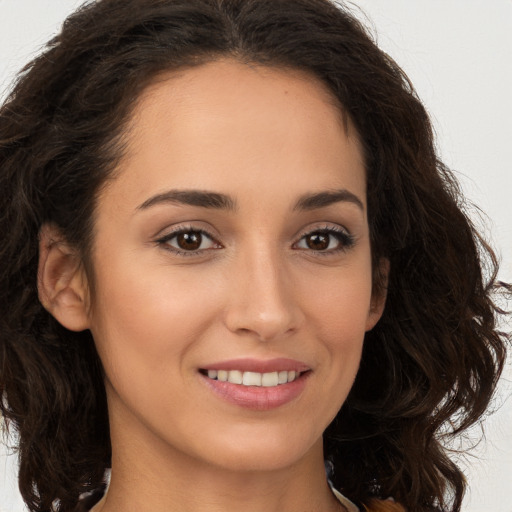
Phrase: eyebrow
[323,199]
[220,201]
[192,198]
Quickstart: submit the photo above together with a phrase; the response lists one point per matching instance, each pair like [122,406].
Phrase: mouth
[257,385]
[248,378]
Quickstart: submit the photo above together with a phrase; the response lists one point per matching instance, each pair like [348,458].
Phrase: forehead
[218,80]
[227,123]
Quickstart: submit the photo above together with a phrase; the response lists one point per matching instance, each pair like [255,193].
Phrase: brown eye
[318,241]
[329,240]
[189,241]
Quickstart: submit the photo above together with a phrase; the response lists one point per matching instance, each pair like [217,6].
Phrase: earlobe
[61,281]
[379,295]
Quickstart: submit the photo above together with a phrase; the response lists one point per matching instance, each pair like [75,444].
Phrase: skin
[266,138]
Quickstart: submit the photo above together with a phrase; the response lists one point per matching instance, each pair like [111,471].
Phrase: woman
[228,259]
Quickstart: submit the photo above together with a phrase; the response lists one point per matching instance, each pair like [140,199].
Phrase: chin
[266,451]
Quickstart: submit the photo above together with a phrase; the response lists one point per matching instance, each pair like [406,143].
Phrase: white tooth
[222,375]
[235,377]
[212,374]
[283,377]
[269,379]
[291,376]
[252,379]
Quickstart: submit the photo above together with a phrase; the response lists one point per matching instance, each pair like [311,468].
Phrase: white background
[458,54]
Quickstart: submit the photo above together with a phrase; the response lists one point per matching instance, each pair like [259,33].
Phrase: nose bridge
[262,301]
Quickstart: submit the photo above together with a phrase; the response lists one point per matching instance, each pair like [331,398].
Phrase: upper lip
[259,365]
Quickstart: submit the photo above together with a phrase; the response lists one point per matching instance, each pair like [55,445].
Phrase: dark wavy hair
[429,367]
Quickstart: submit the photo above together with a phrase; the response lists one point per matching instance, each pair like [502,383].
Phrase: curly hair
[429,367]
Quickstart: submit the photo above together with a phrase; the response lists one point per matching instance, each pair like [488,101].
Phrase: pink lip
[255,397]
[260,366]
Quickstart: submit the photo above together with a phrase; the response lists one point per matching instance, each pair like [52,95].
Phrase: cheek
[341,326]
[141,321]
[338,318]
[341,302]
[145,330]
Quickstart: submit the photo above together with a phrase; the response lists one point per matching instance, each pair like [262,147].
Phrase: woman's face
[232,244]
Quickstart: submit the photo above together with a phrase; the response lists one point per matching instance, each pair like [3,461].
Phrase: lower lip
[258,398]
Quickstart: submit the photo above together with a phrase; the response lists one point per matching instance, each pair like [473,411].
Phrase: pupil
[190,241]
[318,241]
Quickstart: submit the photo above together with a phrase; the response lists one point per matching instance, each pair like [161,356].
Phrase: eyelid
[345,237]
[162,240]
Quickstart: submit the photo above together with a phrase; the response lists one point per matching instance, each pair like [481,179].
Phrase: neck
[159,481]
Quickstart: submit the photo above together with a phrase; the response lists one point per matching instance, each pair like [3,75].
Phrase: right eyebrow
[326,198]
[199,198]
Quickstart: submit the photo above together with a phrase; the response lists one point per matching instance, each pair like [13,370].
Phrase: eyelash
[164,240]
[345,240]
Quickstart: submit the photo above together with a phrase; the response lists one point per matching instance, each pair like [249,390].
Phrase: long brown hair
[428,368]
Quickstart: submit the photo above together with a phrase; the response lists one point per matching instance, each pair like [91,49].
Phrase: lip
[258,398]
[259,365]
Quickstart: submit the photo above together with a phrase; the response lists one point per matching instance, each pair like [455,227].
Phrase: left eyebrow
[199,198]
[326,198]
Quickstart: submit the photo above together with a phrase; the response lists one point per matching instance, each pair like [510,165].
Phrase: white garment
[344,501]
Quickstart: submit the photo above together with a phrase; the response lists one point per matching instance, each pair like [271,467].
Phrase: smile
[256,384]
[269,379]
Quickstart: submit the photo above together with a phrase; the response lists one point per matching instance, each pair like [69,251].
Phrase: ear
[379,294]
[61,280]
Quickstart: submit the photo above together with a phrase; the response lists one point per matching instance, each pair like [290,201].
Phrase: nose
[262,300]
